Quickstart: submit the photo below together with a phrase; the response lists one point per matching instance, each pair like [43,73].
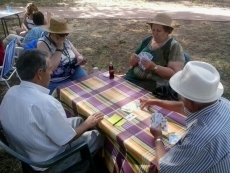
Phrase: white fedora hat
[198,81]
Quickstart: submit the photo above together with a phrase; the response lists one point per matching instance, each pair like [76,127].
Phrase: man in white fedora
[205,147]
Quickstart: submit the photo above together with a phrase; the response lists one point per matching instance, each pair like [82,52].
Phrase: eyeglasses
[63,35]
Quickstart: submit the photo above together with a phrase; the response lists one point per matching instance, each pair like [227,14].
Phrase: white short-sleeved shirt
[34,122]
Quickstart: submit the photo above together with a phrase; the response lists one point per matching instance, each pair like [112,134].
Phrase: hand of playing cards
[144,55]
[159,119]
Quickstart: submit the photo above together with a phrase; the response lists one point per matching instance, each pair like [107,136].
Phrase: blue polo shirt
[205,147]
[34,33]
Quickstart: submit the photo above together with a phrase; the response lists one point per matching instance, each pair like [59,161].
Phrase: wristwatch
[159,140]
[155,68]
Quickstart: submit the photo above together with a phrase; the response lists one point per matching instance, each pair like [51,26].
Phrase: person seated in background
[34,33]
[66,60]
[28,23]
[158,57]
[37,126]
[205,146]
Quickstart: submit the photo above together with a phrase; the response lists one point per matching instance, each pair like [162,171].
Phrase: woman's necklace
[51,40]
[155,45]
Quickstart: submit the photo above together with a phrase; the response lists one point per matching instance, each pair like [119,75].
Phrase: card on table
[114,119]
[121,122]
[131,107]
[159,119]
[106,74]
[130,117]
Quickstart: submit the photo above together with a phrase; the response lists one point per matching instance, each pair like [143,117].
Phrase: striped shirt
[205,147]
[34,122]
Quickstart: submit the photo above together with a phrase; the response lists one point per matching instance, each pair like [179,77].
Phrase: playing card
[159,119]
[164,124]
[126,109]
[173,138]
[106,74]
[130,117]
[138,104]
[144,55]
[131,107]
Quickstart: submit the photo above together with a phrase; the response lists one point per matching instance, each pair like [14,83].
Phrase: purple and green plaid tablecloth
[129,147]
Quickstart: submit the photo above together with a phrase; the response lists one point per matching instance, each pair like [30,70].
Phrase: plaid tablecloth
[129,147]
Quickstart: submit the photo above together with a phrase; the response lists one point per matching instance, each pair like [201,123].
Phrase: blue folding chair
[7,69]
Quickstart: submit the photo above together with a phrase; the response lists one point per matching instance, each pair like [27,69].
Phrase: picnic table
[129,146]
[4,14]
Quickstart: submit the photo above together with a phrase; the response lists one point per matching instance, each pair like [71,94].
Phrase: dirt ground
[105,41]
[102,41]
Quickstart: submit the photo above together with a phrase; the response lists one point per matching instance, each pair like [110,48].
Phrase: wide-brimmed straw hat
[162,19]
[57,25]
[198,81]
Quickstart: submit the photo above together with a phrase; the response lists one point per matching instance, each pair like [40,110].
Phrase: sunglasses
[62,35]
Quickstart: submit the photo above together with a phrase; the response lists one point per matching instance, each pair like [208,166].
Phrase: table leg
[3,26]
[6,28]
[19,21]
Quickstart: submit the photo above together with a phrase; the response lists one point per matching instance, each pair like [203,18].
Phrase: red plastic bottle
[111,71]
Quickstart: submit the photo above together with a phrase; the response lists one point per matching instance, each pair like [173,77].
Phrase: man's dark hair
[38,18]
[29,62]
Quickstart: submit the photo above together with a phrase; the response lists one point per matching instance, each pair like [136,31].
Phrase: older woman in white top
[65,58]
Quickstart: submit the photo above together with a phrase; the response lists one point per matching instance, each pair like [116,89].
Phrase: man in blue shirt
[205,146]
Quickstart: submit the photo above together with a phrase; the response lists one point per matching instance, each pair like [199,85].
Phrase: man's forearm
[176,106]
[79,131]
[160,152]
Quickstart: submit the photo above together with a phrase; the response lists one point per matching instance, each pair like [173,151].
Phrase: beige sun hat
[198,81]
[57,25]
[162,19]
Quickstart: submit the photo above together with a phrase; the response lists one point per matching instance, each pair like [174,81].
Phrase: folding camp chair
[7,69]
[27,163]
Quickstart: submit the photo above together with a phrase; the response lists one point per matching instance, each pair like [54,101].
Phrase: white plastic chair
[7,69]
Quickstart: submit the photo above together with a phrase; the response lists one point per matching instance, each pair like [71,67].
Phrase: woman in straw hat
[158,57]
[65,58]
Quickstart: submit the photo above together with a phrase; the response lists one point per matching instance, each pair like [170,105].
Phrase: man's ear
[39,74]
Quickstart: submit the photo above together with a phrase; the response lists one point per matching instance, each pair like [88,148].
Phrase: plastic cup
[9,9]
[95,69]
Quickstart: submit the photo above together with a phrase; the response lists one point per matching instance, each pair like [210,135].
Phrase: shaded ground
[102,41]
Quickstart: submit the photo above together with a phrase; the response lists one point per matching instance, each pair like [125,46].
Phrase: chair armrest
[62,156]
[18,50]
[50,162]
